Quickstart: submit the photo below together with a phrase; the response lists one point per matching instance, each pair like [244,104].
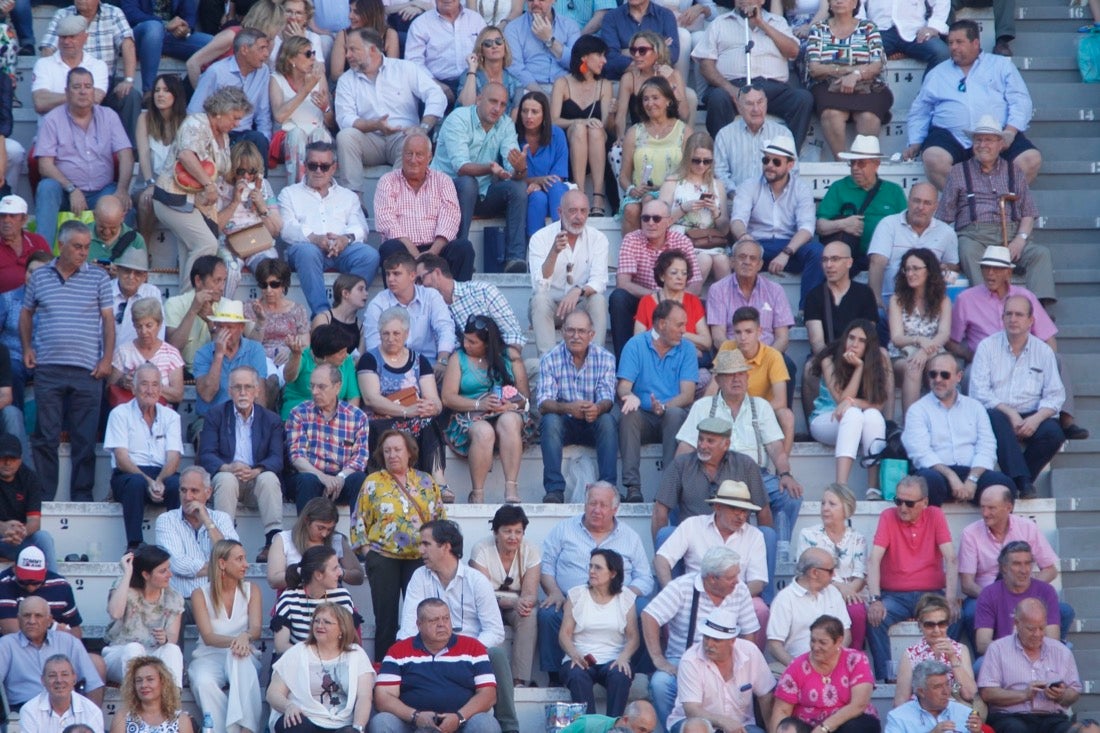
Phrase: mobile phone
[1058,683]
[706,196]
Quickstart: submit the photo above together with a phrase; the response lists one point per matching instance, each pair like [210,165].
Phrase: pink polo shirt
[977,313]
[978,549]
[913,561]
[698,680]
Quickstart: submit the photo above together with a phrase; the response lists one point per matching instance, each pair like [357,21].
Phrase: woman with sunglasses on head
[165,110]
[489,62]
[933,617]
[276,319]
[580,104]
[513,566]
[361,14]
[488,395]
[547,156]
[649,59]
[697,201]
[857,389]
[920,320]
[300,103]
[651,149]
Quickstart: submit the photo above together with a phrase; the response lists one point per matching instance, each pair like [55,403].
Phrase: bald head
[109,207]
[640,717]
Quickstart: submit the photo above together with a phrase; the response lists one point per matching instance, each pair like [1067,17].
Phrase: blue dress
[550,160]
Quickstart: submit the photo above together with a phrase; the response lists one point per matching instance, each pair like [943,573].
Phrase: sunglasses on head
[248,171]
[753,87]
[939,374]
[640,50]
[654,218]
[492,42]
[774,161]
[270,285]
[477,323]
[907,502]
[702,161]
[323,167]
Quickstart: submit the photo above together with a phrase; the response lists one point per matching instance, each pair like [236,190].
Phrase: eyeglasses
[962,84]
[308,53]
[702,161]
[939,374]
[120,312]
[640,50]
[507,584]
[574,331]
[830,570]
[323,167]
[270,285]
[935,624]
[652,218]
[248,171]
[492,42]
[774,161]
[753,87]
[477,323]
[913,268]
[907,502]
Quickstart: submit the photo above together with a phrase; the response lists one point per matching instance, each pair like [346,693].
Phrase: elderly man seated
[715,675]
[74,181]
[228,350]
[682,607]
[111,236]
[933,704]
[811,595]
[60,707]
[146,443]
[1028,680]
[638,717]
[479,150]
[16,243]
[416,210]
[23,656]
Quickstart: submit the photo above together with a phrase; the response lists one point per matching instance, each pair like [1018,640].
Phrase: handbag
[406,397]
[249,240]
[188,182]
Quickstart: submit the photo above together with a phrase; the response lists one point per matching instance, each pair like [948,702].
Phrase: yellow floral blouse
[385,520]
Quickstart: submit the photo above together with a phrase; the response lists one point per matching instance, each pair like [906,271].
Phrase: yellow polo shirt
[766,368]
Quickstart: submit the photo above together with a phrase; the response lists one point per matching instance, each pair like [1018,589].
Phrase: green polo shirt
[890,199]
[100,250]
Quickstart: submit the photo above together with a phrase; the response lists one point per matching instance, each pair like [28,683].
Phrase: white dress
[212,667]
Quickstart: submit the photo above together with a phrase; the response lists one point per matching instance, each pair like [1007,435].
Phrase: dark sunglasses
[507,584]
[907,502]
[753,87]
[640,50]
[939,374]
[308,53]
[492,42]
[935,624]
[774,161]
[702,161]
[654,218]
[249,171]
[323,167]
[270,285]
[962,84]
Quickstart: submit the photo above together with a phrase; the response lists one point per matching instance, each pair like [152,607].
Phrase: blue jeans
[550,654]
[504,198]
[130,491]
[306,486]
[807,260]
[582,681]
[310,263]
[558,431]
[662,691]
[542,204]
[899,607]
[50,199]
[781,503]
[153,42]
[931,52]
[41,539]
[22,17]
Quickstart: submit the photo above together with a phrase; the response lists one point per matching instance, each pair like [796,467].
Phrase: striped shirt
[566,550]
[481,298]
[68,328]
[988,188]
[56,591]
[672,606]
[863,46]
[724,43]
[294,610]
[562,381]
[737,150]
[444,681]
[418,215]
[190,547]
[1026,383]
[106,32]
[637,257]
[331,446]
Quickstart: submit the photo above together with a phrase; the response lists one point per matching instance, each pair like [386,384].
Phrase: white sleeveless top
[308,115]
[232,625]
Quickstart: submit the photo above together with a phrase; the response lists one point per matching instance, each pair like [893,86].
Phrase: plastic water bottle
[783,546]
[207,723]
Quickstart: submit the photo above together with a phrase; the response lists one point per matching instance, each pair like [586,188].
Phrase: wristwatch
[549,43]
[128,79]
[70,188]
[972,479]
[461,719]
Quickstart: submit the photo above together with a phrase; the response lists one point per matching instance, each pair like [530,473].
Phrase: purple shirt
[85,157]
[1007,666]
[977,314]
[978,549]
[997,603]
[767,296]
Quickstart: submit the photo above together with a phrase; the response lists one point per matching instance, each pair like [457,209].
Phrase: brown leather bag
[406,397]
[249,240]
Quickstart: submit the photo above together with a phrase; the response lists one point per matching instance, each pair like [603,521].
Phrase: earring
[584,67]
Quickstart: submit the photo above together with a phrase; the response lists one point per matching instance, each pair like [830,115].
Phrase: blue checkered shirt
[560,380]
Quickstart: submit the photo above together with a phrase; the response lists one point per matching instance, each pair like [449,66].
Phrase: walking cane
[1004,198]
[749,43]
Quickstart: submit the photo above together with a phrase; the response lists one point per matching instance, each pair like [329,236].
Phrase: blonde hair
[481,37]
[291,47]
[695,141]
[658,43]
[220,551]
[169,693]
[267,17]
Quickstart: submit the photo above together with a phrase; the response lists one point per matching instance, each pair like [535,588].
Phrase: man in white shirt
[898,233]
[1015,377]
[59,705]
[568,264]
[441,40]
[51,72]
[324,226]
[799,604]
[473,605]
[376,106]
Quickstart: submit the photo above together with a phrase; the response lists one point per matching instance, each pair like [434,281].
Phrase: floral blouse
[863,46]
[816,696]
[385,520]
[196,135]
[275,329]
[141,617]
[850,554]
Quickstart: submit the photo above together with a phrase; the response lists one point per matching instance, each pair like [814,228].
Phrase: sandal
[447,495]
[598,210]
[476,497]
[873,495]
[512,498]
